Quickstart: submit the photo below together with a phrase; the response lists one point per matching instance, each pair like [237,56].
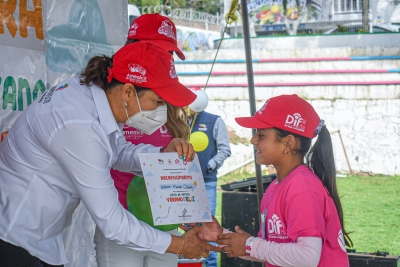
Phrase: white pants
[110,254]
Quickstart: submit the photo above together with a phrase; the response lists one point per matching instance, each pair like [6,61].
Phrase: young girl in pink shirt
[301,215]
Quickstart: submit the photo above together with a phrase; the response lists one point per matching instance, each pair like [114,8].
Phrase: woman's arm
[84,156]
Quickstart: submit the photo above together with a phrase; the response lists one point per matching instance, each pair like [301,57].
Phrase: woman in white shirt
[61,148]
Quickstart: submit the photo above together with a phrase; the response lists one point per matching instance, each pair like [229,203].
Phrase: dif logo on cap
[286,112]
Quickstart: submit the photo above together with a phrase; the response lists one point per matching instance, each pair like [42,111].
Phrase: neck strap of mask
[137,99]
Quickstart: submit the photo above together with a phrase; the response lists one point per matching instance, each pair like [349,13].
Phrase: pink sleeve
[306,251]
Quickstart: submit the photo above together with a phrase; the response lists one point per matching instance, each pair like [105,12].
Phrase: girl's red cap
[148,65]
[286,112]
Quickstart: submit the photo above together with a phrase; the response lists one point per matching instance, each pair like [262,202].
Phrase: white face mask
[147,121]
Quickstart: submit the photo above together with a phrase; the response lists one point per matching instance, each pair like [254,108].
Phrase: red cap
[156,29]
[148,65]
[286,112]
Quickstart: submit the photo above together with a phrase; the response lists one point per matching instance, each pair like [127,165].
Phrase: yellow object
[199,140]
[275,9]
[187,110]
[230,16]
[290,11]
[266,16]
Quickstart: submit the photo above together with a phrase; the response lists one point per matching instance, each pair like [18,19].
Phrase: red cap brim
[169,47]
[252,122]
[177,95]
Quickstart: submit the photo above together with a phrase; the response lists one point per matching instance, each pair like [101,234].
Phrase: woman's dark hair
[129,41]
[96,72]
[320,159]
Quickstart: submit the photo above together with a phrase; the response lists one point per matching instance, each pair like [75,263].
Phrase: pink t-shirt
[300,206]
[161,137]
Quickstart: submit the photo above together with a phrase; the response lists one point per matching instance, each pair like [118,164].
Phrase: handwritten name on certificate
[176,189]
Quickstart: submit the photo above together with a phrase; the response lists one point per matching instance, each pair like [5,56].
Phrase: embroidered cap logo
[172,71]
[132,30]
[260,111]
[295,122]
[166,28]
[136,68]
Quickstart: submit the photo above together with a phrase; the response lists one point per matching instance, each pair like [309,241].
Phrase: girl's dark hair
[96,72]
[320,159]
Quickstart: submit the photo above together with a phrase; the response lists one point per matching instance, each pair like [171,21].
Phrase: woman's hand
[234,243]
[190,245]
[184,149]
[209,230]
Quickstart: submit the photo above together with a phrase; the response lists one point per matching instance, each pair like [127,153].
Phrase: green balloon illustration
[139,205]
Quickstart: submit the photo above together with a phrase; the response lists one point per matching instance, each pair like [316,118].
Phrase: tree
[207,6]
[294,14]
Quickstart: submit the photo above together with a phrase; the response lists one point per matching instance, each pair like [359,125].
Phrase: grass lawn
[372,212]
[371,206]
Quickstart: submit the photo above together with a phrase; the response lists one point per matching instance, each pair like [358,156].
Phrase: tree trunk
[292,25]
[365,13]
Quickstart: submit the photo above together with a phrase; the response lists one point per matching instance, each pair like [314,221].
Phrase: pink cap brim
[252,122]
[177,95]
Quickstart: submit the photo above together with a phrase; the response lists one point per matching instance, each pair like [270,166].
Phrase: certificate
[176,189]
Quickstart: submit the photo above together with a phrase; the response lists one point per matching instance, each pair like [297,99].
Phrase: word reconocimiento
[176,177]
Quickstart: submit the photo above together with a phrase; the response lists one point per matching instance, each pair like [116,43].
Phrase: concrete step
[309,65]
[301,78]
[297,52]
[350,92]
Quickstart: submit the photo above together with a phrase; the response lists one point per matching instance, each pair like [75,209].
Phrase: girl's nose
[253,140]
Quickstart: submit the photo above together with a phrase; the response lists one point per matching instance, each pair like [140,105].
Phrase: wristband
[162,149]
[249,244]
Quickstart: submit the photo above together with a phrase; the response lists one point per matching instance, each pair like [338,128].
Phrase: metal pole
[344,149]
[250,81]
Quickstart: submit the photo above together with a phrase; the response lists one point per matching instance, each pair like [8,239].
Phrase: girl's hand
[210,230]
[234,243]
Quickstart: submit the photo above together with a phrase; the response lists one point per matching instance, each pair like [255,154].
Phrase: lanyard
[194,120]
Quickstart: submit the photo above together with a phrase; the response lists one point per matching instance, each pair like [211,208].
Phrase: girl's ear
[291,144]
[289,141]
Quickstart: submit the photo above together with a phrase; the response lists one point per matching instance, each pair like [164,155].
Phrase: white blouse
[59,151]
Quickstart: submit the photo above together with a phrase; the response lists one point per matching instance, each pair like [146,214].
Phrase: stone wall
[196,24]
[367,116]
[369,129]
